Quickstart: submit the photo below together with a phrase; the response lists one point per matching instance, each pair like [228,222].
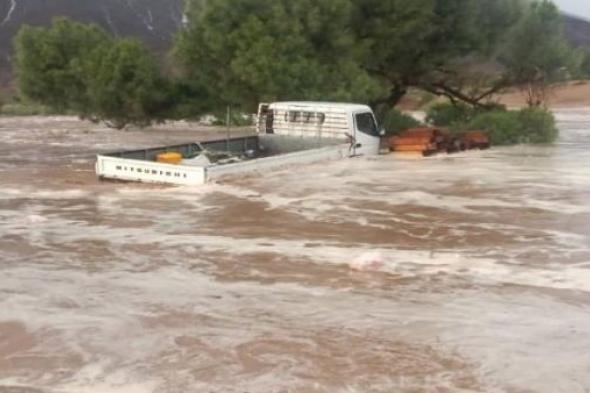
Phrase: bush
[446,113]
[394,121]
[537,125]
[530,125]
[503,127]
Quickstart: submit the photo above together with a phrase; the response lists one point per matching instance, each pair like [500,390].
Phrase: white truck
[288,133]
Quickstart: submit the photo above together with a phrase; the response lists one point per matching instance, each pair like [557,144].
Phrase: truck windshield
[365,123]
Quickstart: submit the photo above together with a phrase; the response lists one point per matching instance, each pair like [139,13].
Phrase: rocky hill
[577,30]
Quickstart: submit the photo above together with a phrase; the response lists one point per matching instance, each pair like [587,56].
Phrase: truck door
[366,134]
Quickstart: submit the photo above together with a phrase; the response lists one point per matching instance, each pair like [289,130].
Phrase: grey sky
[575,7]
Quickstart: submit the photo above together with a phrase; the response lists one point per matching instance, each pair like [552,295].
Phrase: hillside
[153,21]
[577,30]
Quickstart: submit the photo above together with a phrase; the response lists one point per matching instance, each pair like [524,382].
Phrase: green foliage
[536,54]
[247,51]
[75,67]
[185,101]
[503,127]
[124,85]
[50,62]
[494,18]
[406,40]
[242,52]
[395,121]
[584,71]
[529,125]
[446,113]
[537,126]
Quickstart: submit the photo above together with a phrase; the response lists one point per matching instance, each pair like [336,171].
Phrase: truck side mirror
[382,132]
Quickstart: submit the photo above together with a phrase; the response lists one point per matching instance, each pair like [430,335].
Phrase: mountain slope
[577,31]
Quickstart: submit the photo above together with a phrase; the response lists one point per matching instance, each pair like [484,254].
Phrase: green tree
[124,85]
[246,51]
[75,67]
[50,62]
[537,55]
[408,42]
[584,71]
[473,77]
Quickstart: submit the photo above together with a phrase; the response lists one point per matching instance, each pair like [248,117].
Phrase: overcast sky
[575,7]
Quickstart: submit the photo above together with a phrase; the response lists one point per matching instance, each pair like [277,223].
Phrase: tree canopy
[537,54]
[51,62]
[75,67]
[242,52]
[124,85]
[247,51]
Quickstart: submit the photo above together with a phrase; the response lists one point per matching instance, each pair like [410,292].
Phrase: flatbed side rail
[147,171]
[267,164]
[234,145]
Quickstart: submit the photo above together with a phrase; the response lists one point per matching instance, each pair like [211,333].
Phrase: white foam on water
[409,263]
[519,328]
[29,193]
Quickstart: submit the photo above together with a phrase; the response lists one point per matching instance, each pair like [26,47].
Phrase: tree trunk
[382,105]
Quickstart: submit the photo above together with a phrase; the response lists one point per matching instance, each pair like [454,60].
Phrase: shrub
[529,125]
[538,125]
[503,127]
[446,113]
[394,121]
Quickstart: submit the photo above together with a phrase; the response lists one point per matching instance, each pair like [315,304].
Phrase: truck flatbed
[244,154]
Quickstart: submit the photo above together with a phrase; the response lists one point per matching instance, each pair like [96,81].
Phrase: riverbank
[574,94]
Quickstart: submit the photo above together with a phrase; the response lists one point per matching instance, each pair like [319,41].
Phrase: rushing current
[482,285]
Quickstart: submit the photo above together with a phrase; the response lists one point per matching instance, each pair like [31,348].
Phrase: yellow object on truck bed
[169,158]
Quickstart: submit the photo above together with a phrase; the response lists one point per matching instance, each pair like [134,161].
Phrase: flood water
[246,286]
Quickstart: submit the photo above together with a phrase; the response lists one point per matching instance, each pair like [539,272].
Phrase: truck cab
[351,123]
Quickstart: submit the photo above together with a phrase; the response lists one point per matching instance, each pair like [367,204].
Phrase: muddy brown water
[245,286]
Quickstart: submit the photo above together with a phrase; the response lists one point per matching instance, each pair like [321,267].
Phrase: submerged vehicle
[287,133]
